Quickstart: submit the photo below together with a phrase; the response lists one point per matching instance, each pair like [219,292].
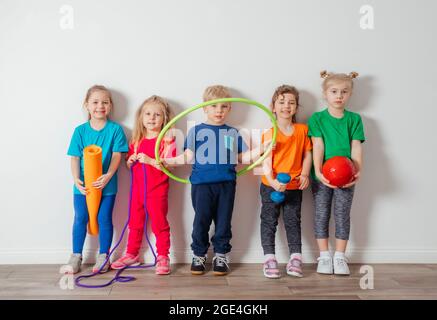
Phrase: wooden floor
[244,282]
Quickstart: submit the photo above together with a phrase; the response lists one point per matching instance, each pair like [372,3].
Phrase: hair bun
[324,74]
[353,75]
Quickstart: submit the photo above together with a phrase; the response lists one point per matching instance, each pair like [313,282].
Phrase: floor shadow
[377,181]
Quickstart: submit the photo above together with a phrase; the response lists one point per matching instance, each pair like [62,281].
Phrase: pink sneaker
[294,267]
[271,270]
[162,265]
[125,261]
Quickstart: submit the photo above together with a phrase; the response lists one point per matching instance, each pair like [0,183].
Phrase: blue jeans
[104,219]
[212,202]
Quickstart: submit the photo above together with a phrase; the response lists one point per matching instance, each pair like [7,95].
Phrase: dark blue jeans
[212,202]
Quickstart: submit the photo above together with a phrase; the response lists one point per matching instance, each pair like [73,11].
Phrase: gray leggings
[323,197]
[269,219]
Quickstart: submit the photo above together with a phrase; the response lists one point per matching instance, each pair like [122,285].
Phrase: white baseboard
[355,255]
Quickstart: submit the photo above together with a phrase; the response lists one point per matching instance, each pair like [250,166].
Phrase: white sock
[296,255]
[339,254]
[269,256]
[325,254]
[221,255]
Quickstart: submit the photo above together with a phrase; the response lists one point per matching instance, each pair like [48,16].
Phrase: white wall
[177,48]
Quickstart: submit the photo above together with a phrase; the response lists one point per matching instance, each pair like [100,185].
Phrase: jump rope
[118,277]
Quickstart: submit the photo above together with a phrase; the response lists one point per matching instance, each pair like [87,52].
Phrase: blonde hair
[93,89]
[337,77]
[216,92]
[284,89]
[140,131]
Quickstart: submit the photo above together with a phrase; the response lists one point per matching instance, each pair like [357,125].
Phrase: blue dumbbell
[276,196]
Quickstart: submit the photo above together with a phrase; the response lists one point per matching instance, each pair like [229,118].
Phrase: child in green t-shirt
[334,131]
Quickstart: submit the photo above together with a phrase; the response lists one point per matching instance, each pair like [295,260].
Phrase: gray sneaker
[74,263]
[101,258]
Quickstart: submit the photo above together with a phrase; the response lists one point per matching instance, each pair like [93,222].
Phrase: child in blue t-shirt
[108,135]
[216,148]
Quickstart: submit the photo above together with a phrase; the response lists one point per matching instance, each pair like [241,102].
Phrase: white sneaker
[101,259]
[325,265]
[74,264]
[340,266]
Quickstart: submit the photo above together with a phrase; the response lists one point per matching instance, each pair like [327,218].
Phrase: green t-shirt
[337,134]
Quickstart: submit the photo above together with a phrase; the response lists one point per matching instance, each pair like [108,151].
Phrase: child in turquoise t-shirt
[108,135]
[334,131]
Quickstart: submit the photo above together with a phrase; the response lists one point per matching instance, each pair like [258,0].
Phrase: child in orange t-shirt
[291,155]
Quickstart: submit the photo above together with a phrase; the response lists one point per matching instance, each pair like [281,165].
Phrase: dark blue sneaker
[220,266]
[198,265]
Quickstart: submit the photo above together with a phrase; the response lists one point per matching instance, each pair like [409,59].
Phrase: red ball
[339,171]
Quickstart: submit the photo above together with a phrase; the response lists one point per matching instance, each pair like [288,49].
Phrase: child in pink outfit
[150,185]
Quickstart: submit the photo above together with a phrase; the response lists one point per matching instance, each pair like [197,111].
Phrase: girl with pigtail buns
[334,131]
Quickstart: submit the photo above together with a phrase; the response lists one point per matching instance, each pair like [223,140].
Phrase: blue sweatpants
[104,219]
[212,202]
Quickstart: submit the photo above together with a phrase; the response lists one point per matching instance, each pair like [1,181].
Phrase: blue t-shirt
[110,138]
[216,150]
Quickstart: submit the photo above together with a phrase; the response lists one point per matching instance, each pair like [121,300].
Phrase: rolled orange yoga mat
[92,157]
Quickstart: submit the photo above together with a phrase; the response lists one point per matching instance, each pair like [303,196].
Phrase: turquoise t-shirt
[337,134]
[110,138]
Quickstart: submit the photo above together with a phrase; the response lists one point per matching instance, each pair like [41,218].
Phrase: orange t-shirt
[287,157]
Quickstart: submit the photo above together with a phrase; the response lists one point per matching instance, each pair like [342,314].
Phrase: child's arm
[132,156]
[75,171]
[318,156]
[145,159]
[267,169]
[185,158]
[357,158]
[304,180]
[131,160]
[103,180]
[168,152]
[253,154]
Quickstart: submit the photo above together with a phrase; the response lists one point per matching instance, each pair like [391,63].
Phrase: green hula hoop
[208,103]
